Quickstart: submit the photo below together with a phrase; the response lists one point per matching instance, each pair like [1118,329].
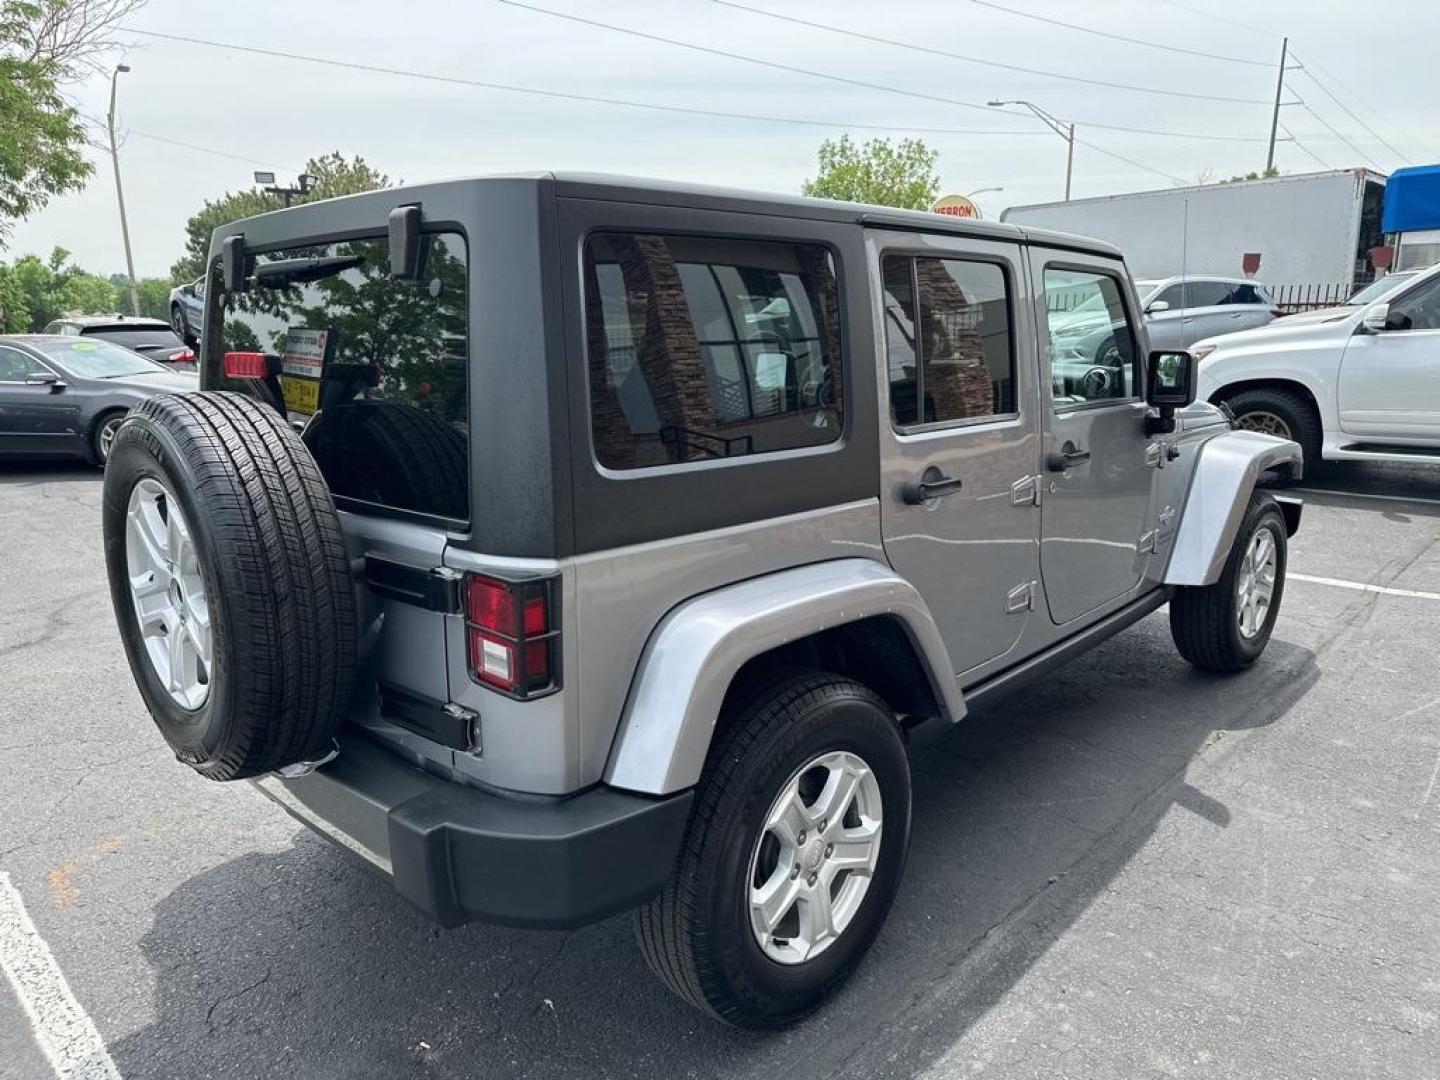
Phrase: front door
[1098,462]
[960,441]
[35,418]
[1390,381]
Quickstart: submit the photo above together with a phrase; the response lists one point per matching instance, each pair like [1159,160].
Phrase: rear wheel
[230,583]
[1226,626]
[177,321]
[792,855]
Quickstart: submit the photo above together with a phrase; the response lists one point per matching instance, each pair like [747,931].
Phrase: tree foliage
[880,172]
[35,291]
[334,175]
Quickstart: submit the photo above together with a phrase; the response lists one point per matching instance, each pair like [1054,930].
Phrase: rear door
[959,435]
[1390,381]
[1166,327]
[1096,533]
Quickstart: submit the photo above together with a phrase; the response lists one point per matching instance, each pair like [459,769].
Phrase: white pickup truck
[1357,382]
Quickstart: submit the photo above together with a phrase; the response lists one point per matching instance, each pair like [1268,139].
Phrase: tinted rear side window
[700,349]
[376,366]
[954,314]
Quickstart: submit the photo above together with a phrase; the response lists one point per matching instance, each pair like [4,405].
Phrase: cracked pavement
[1133,870]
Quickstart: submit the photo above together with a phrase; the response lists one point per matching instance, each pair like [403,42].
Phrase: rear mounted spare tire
[230,582]
[394,454]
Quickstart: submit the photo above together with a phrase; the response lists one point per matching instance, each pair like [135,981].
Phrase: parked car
[1358,382]
[151,338]
[638,610]
[187,310]
[66,396]
[1178,312]
[1379,289]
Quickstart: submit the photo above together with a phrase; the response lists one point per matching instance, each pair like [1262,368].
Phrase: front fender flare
[1226,468]
[697,649]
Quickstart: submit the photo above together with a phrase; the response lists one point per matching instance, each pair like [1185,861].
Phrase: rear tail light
[512,634]
[1275,311]
[184,356]
[246,365]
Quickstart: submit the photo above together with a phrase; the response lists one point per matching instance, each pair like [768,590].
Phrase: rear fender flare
[696,650]
[1226,469]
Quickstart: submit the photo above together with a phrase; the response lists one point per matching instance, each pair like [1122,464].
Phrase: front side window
[1172,295]
[375,366]
[948,342]
[701,348]
[15,366]
[1419,309]
[1096,361]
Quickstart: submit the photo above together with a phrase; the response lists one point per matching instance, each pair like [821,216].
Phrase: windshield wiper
[287,272]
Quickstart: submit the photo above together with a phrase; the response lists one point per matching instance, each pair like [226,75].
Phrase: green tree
[154,296]
[334,175]
[34,291]
[1253,175]
[880,172]
[45,45]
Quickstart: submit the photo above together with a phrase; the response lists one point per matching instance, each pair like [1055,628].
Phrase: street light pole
[981,191]
[1065,131]
[121,69]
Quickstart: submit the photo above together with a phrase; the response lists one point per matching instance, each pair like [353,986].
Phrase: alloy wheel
[1267,423]
[1255,584]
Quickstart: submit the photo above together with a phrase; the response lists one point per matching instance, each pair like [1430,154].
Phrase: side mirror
[232,263]
[1169,385]
[1375,318]
[45,378]
[1157,306]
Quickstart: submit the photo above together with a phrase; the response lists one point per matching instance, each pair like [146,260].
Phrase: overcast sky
[276,113]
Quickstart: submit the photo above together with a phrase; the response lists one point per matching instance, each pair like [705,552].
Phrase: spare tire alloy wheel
[815,857]
[231,585]
[167,591]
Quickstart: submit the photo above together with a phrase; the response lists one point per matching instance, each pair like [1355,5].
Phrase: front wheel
[792,855]
[1226,626]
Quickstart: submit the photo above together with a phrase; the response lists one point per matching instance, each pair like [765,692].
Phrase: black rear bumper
[461,854]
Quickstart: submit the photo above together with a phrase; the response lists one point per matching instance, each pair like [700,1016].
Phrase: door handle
[932,484]
[1067,455]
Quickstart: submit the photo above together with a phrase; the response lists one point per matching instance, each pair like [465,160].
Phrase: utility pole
[1275,116]
[121,69]
[1065,131]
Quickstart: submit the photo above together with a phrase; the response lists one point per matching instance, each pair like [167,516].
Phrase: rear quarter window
[374,367]
[702,348]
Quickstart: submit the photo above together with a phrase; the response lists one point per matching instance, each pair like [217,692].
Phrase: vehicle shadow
[304,963]
[25,471]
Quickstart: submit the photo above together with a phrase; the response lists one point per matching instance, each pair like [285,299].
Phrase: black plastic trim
[461,854]
[1038,666]
[425,716]
[427,588]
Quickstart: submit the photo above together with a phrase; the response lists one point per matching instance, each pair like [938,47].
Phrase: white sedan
[1357,382]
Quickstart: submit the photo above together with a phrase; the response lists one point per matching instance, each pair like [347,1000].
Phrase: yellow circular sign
[956,206]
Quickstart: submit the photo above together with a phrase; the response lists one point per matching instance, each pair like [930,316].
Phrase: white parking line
[64,1031]
[1361,586]
[1366,495]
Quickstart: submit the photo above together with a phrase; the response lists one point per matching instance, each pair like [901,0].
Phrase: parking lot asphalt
[1133,870]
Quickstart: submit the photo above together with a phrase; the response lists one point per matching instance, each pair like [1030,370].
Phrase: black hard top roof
[670,193]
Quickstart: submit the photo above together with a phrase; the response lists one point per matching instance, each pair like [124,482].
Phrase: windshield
[93,358]
[1379,288]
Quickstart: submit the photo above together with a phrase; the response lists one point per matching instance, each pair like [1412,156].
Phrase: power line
[1330,128]
[192,146]
[1373,133]
[567,95]
[1373,111]
[1313,156]
[1221,18]
[1128,161]
[1121,37]
[875,38]
[564,95]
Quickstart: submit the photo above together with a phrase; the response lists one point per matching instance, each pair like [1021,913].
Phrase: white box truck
[1309,229]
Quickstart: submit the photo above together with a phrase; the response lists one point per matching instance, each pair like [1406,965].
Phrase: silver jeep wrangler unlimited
[566,544]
